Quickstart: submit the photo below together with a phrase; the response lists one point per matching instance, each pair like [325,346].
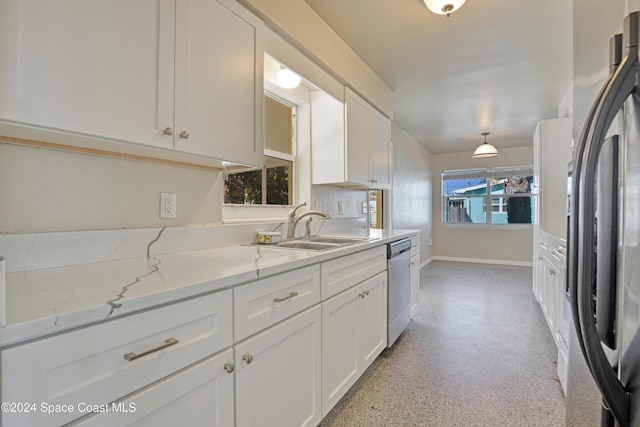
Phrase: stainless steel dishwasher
[398,296]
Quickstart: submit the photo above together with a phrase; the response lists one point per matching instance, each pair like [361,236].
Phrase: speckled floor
[477,353]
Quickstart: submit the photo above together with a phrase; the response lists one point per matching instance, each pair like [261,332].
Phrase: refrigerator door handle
[615,54]
[607,242]
[619,88]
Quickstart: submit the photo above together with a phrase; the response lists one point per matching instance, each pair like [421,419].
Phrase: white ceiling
[495,66]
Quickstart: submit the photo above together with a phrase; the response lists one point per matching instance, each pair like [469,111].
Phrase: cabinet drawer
[90,365]
[262,303]
[342,273]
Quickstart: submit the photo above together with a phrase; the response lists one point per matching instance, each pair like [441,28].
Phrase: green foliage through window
[270,185]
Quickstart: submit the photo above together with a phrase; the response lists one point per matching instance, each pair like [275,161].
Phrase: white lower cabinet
[278,374]
[103,363]
[414,272]
[291,359]
[201,395]
[354,332]
[549,288]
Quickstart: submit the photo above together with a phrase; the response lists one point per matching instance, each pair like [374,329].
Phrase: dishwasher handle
[398,247]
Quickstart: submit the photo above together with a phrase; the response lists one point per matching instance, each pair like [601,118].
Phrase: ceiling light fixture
[443,7]
[485,150]
[287,78]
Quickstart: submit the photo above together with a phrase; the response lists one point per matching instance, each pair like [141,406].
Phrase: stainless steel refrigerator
[604,249]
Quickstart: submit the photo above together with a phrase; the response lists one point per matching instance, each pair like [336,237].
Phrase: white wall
[594,22]
[45,190]
[479,243]
[412,188]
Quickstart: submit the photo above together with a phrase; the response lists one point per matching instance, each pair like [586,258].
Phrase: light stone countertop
[47,301]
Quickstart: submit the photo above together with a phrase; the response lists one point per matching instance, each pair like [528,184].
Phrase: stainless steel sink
[318,243]
[306,244]
[341,240]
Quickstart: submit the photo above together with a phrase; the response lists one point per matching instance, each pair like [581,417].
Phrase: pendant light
[485,150]
[443,7]
[287,79]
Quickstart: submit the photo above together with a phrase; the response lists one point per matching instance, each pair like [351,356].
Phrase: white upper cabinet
[98,68]
[181,75]
[219,81]
[552,154]
[359,136]
[350,142]
[380,159]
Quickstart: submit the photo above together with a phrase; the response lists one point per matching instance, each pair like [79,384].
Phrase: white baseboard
[482,261]
[427,262]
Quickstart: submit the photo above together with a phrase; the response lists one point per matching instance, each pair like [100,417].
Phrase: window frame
[277,155]
[488,174]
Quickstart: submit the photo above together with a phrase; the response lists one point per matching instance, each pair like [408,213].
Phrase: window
[507,192]
[271,184]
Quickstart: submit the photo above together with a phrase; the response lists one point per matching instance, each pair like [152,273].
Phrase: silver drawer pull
[291,295]
[167,343]
[247,358]
[168,131]
[229,367]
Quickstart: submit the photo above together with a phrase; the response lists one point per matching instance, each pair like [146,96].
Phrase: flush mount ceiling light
[485,150]
[287,78]
[443,7]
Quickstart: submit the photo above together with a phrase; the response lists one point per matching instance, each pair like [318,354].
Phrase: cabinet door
[551,284]
[341,331]
[552,153]
[89,67]
[278,374]
[374,318]
[327,139]
[414,278]
[201,395]
[219,81]
[359,133]
[380,153]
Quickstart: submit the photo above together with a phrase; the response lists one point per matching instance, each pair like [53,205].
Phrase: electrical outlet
[430,242]
[340,210]
[167,205]
[364,207]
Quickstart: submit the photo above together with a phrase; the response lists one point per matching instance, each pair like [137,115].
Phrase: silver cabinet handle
[168,131]
[551,272]
[229,367]
[167,343]
[184,134]
[247,358]
[291,295]
[363,294]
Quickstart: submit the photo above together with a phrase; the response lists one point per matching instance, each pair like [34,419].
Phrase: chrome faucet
[293,220]
[291,231]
